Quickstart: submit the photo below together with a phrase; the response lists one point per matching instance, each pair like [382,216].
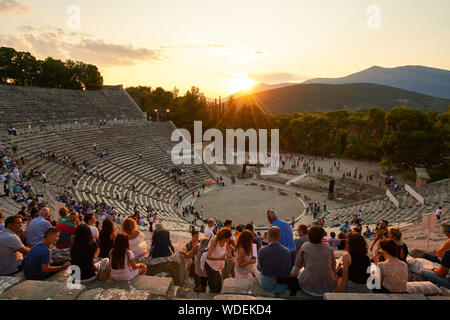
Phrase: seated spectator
[341,238]
[192,250]
[345,228]
[287,237]
[91,220]
[246,260]
[355,264]
[37,227]
[274,263]
[136,238]
[37,263]
[107,236]
[393,272]
[213,260]
[318,263]
[439,276]
[302,231]
[12,249]
[83,252]
[63,214]
[367,233]
[161,245]
[396,235]
[2,221]
[67,228]
[123,265]
[437,255]
[332,241]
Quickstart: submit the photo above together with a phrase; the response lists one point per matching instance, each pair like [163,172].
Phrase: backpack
[204,244]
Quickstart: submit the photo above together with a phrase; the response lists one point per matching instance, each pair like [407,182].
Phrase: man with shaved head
[37,227]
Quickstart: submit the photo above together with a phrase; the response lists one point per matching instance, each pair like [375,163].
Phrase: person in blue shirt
[287,237]
[274,263]
[37,263]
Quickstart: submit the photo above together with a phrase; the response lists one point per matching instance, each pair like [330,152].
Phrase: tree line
[399,138]
[22,68]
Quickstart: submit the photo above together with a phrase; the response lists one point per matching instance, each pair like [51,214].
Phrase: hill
[425,80]
[328,97]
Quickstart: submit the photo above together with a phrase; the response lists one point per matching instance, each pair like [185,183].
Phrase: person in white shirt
[90,220]
[438,213]
[209,230]
[123,264]
[88,189]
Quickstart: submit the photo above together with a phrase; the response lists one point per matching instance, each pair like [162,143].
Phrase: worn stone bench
[373,296]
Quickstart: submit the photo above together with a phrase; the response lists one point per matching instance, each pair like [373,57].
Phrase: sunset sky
[224,46]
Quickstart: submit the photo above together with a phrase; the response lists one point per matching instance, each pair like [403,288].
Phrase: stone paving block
[91,294]
[120,294]
[156,286]
[245,287]
[7,282]
[241,297]
[41,290]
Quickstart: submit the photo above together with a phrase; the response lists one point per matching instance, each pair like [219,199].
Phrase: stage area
[243,204]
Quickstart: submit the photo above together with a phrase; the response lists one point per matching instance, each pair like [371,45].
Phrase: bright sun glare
[239,84]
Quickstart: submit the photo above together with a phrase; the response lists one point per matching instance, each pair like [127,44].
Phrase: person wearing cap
[438,254]
[287,237]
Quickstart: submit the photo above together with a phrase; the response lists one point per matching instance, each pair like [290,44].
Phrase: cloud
[275,77]
[13,6]
[50,41]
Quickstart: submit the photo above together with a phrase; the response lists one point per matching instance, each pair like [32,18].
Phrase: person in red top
[67,229]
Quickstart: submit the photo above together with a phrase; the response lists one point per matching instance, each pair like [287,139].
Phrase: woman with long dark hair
[123,265]
[83,252]
[107,236]
[356,262]
[245,260]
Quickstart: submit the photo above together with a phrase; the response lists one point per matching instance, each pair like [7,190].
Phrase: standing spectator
[213,260]
[123,265]
[12,249]
[355,264]
[274,263]
[287,237]
[37,263]
[438,213]
[393,272]
[209,230]
[37,227]
[317,258]
[192,252]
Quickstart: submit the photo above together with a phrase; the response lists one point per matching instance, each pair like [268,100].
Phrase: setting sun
[239,84]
